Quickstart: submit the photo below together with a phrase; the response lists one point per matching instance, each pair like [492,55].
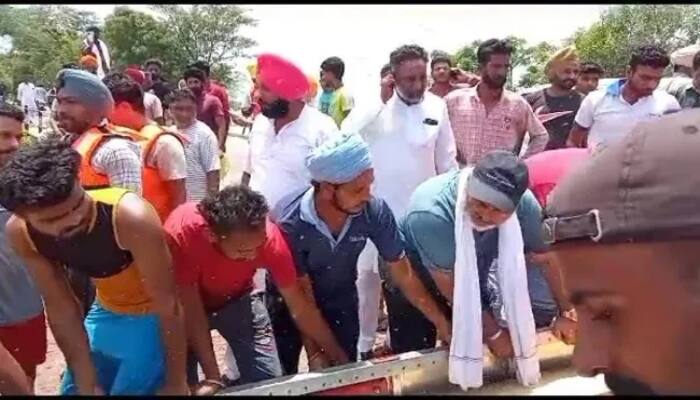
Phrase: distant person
[690,97]
[26,96]
[201,146]
[609,114]
[489,117]
[218,90]
[440,69]
[97,47]
[589,75]
[560,97]
[335,100]
[90,64]
[156,84]
[151,102]
[209,107]
[682,63]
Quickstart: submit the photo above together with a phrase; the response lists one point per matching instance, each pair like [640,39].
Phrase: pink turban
[136,74]
[282,77]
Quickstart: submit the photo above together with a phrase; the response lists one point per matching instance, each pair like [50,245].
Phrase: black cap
[500,179]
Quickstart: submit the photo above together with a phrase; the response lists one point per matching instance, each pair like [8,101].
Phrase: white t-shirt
[277,161]
[609,117]
[26,95]
[153,106]
[168,157]
[202,155]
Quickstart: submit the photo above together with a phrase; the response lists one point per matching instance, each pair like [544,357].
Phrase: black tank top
[94,252]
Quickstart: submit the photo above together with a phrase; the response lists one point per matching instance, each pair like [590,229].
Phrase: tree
[465,58]
[209,32]
[537,57]
[43,38]
[134,37]
[610,41]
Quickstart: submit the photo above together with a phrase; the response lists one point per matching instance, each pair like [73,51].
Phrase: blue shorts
[127,351]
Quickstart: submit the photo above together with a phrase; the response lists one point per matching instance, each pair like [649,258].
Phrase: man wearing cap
[690,97]
[471,235]
[108,155]
[682,62]
[152,104]
[163,152]
[414,124]
[624,230]
[327,226]
[610,113]
[560,98]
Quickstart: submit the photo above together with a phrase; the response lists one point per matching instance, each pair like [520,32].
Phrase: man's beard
[277,109]
[337,205]
[566,84]
[622,385]
[494,84]
[408,99]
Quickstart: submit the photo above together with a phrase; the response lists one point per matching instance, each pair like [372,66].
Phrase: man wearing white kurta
[410,140]
[285,132]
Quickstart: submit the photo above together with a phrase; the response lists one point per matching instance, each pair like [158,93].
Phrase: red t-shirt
[208,109]
[219,91]
[197,260]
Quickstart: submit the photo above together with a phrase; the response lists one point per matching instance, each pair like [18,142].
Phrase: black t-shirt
[560,127]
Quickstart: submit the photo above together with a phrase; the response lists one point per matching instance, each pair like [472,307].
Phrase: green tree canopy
[610,41]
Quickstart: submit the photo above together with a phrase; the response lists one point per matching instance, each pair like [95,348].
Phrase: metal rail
[419,372]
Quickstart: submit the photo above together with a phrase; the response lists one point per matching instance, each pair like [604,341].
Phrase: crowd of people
[431,199]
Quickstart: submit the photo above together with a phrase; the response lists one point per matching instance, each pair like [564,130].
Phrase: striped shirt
[202,156]
[478,133]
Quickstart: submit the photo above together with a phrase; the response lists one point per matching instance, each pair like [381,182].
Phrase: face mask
[483,228]
[277,109]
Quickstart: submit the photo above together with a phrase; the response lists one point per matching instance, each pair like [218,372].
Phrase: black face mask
[625,386]
[277,109]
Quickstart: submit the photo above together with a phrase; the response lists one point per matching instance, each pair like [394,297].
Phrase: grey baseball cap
[643,188]
[500,178]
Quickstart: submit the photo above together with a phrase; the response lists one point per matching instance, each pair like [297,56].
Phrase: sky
[364,35]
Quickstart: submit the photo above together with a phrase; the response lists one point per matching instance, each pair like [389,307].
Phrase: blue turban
[87,88]
[339,160]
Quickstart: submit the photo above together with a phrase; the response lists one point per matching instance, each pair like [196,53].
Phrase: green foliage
[537,59]
[44,37]
[610,41]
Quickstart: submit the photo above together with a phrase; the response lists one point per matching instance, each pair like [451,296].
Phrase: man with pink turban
[151,102]
[557,105]
[282,137]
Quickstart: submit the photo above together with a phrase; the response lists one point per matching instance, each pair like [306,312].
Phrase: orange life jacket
[86,145]
[155,189]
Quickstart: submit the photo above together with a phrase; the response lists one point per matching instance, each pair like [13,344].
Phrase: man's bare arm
[310,323]
[178,191]
[213,182]
[63,310]
[140,232]
[198,332]
[578,137]
[414,290]
[13,381]
[221,133]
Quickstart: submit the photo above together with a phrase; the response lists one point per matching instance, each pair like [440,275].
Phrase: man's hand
[460,76]
[444,331]
[501,346]
[565,330]
[318,362]
[208,388]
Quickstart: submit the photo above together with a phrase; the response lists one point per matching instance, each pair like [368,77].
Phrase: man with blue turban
[327,226]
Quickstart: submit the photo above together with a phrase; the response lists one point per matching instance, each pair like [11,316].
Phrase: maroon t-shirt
[208,109]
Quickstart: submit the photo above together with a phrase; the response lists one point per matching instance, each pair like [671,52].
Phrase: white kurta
[408,145]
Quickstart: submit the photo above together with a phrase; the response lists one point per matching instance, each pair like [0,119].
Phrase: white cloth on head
[466,362]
